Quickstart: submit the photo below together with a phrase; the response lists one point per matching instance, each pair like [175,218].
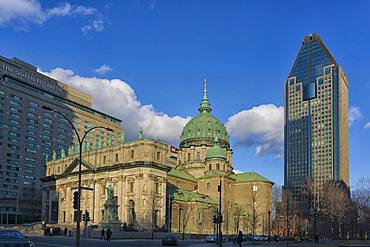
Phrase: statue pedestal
[114,226]
[110,219]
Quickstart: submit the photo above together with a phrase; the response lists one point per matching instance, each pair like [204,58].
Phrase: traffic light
[87,215]
[214,219]
[75,200]
[219,219]
[76,216]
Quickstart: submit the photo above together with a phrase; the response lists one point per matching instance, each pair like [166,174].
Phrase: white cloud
[261,127]
[117,98]
[67,9]
[367,125]
[20,14]
[96,25]
[354,114]
[103,69]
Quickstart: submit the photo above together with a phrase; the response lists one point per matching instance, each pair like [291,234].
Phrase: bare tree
[276,198]
[185,211]
[237,216]
[360,219]
[335,204]
[252,214]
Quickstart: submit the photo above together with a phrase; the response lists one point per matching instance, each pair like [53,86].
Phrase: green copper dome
[202,129]
[216,152]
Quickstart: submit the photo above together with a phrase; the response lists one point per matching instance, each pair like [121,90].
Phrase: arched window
[208,185]
[210,167]
[217,166]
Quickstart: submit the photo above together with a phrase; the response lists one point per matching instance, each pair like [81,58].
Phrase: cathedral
[156,185]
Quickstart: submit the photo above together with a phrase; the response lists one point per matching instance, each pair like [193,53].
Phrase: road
[57,241]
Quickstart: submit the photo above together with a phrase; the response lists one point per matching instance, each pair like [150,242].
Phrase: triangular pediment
[73,167]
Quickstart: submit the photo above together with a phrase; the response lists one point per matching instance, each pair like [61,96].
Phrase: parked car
[247,237]
[211,238]
[260,238]
[14,238]
[169,239]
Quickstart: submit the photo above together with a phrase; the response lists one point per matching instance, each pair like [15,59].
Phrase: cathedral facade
[160,186]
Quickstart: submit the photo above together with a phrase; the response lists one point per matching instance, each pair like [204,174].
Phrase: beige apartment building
[29,134]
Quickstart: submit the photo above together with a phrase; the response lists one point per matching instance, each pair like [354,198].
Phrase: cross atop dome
[205,88]
[205,107]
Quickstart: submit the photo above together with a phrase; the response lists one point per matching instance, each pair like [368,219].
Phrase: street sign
[82,188]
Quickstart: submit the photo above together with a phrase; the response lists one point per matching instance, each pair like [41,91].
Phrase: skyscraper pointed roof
[312,52]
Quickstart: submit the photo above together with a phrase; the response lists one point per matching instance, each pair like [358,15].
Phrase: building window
[255,188]
[116,157]
[104,159]
[131,186]
[210,167]
[188,156]
[132,154]
[158,155]
[198,156]
[217,166]
[208,185]
[157,188]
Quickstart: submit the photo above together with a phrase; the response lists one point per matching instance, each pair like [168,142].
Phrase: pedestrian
[317,239]
[109,234]
[102,234]
[65,231]
[239,240]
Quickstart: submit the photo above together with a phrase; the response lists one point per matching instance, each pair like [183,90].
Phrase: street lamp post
[80,142]
[269,235]
[219,215]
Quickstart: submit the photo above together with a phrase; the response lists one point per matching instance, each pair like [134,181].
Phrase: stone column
[120,195]
[43,206]
[97,216]
[68,205]
[164,205]
[50,203]
[91,202]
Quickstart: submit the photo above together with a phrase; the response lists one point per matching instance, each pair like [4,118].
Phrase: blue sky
[162,50]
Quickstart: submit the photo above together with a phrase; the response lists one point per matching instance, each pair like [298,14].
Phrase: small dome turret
[216,152]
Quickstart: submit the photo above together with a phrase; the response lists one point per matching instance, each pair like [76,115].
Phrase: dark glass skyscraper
[316,119]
